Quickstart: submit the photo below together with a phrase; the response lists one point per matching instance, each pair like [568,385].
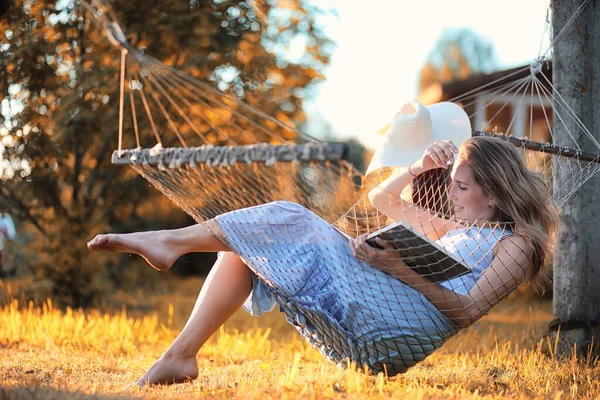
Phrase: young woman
[383,313]
[491,187]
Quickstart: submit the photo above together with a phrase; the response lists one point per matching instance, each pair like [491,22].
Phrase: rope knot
[536,66]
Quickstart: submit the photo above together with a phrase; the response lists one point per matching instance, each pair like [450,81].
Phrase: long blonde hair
[521,195]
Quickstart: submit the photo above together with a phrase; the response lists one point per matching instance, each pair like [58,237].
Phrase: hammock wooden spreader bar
[544,147]
[174,157]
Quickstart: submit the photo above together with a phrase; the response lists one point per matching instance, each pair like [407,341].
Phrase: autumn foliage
[59,79]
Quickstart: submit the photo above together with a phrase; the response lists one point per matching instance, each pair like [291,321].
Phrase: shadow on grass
[49,393]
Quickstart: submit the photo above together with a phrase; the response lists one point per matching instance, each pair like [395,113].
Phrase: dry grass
[47,354]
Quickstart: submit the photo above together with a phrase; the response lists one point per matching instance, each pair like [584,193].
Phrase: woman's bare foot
[152,246]
[166,371]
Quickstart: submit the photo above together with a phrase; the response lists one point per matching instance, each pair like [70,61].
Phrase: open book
[427,258]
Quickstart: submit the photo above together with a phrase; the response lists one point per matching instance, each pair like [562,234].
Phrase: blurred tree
[456,55]
[4,5]
[356,155]
[59,113]
[319,128]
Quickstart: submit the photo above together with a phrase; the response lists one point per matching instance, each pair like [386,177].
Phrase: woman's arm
[507,270]
[386,196]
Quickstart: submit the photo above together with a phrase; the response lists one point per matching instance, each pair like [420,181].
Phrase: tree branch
[23,209]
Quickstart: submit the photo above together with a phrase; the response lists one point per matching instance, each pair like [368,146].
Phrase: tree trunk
[576,76]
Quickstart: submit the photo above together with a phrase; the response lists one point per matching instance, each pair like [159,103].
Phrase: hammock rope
[286,203]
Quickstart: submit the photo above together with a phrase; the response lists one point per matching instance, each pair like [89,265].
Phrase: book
[418,253]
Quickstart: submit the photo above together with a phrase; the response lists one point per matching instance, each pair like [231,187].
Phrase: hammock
[285,202]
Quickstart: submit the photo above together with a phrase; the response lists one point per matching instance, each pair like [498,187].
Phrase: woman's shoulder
[513,245]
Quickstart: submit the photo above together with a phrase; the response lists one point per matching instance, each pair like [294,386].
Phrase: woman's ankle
[173,353]
[177,243]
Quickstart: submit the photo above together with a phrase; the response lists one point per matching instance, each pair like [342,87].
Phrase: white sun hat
[414,128]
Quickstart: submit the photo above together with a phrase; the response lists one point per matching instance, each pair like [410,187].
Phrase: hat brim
[449,122]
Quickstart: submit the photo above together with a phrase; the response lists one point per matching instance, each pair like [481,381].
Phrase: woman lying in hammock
[351,300]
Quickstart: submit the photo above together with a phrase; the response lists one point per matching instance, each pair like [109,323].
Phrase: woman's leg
[226,288]
[160,248]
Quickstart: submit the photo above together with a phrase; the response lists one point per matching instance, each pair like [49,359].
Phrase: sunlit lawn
[52,354]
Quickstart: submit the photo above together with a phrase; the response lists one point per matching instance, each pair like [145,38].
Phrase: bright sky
[382,47]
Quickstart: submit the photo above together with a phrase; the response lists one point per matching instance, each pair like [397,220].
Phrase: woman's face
[467,197]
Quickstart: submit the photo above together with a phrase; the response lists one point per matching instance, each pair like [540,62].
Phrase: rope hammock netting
[286,203]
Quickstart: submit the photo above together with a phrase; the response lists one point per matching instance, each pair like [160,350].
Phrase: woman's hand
[385,259]
[439,154]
